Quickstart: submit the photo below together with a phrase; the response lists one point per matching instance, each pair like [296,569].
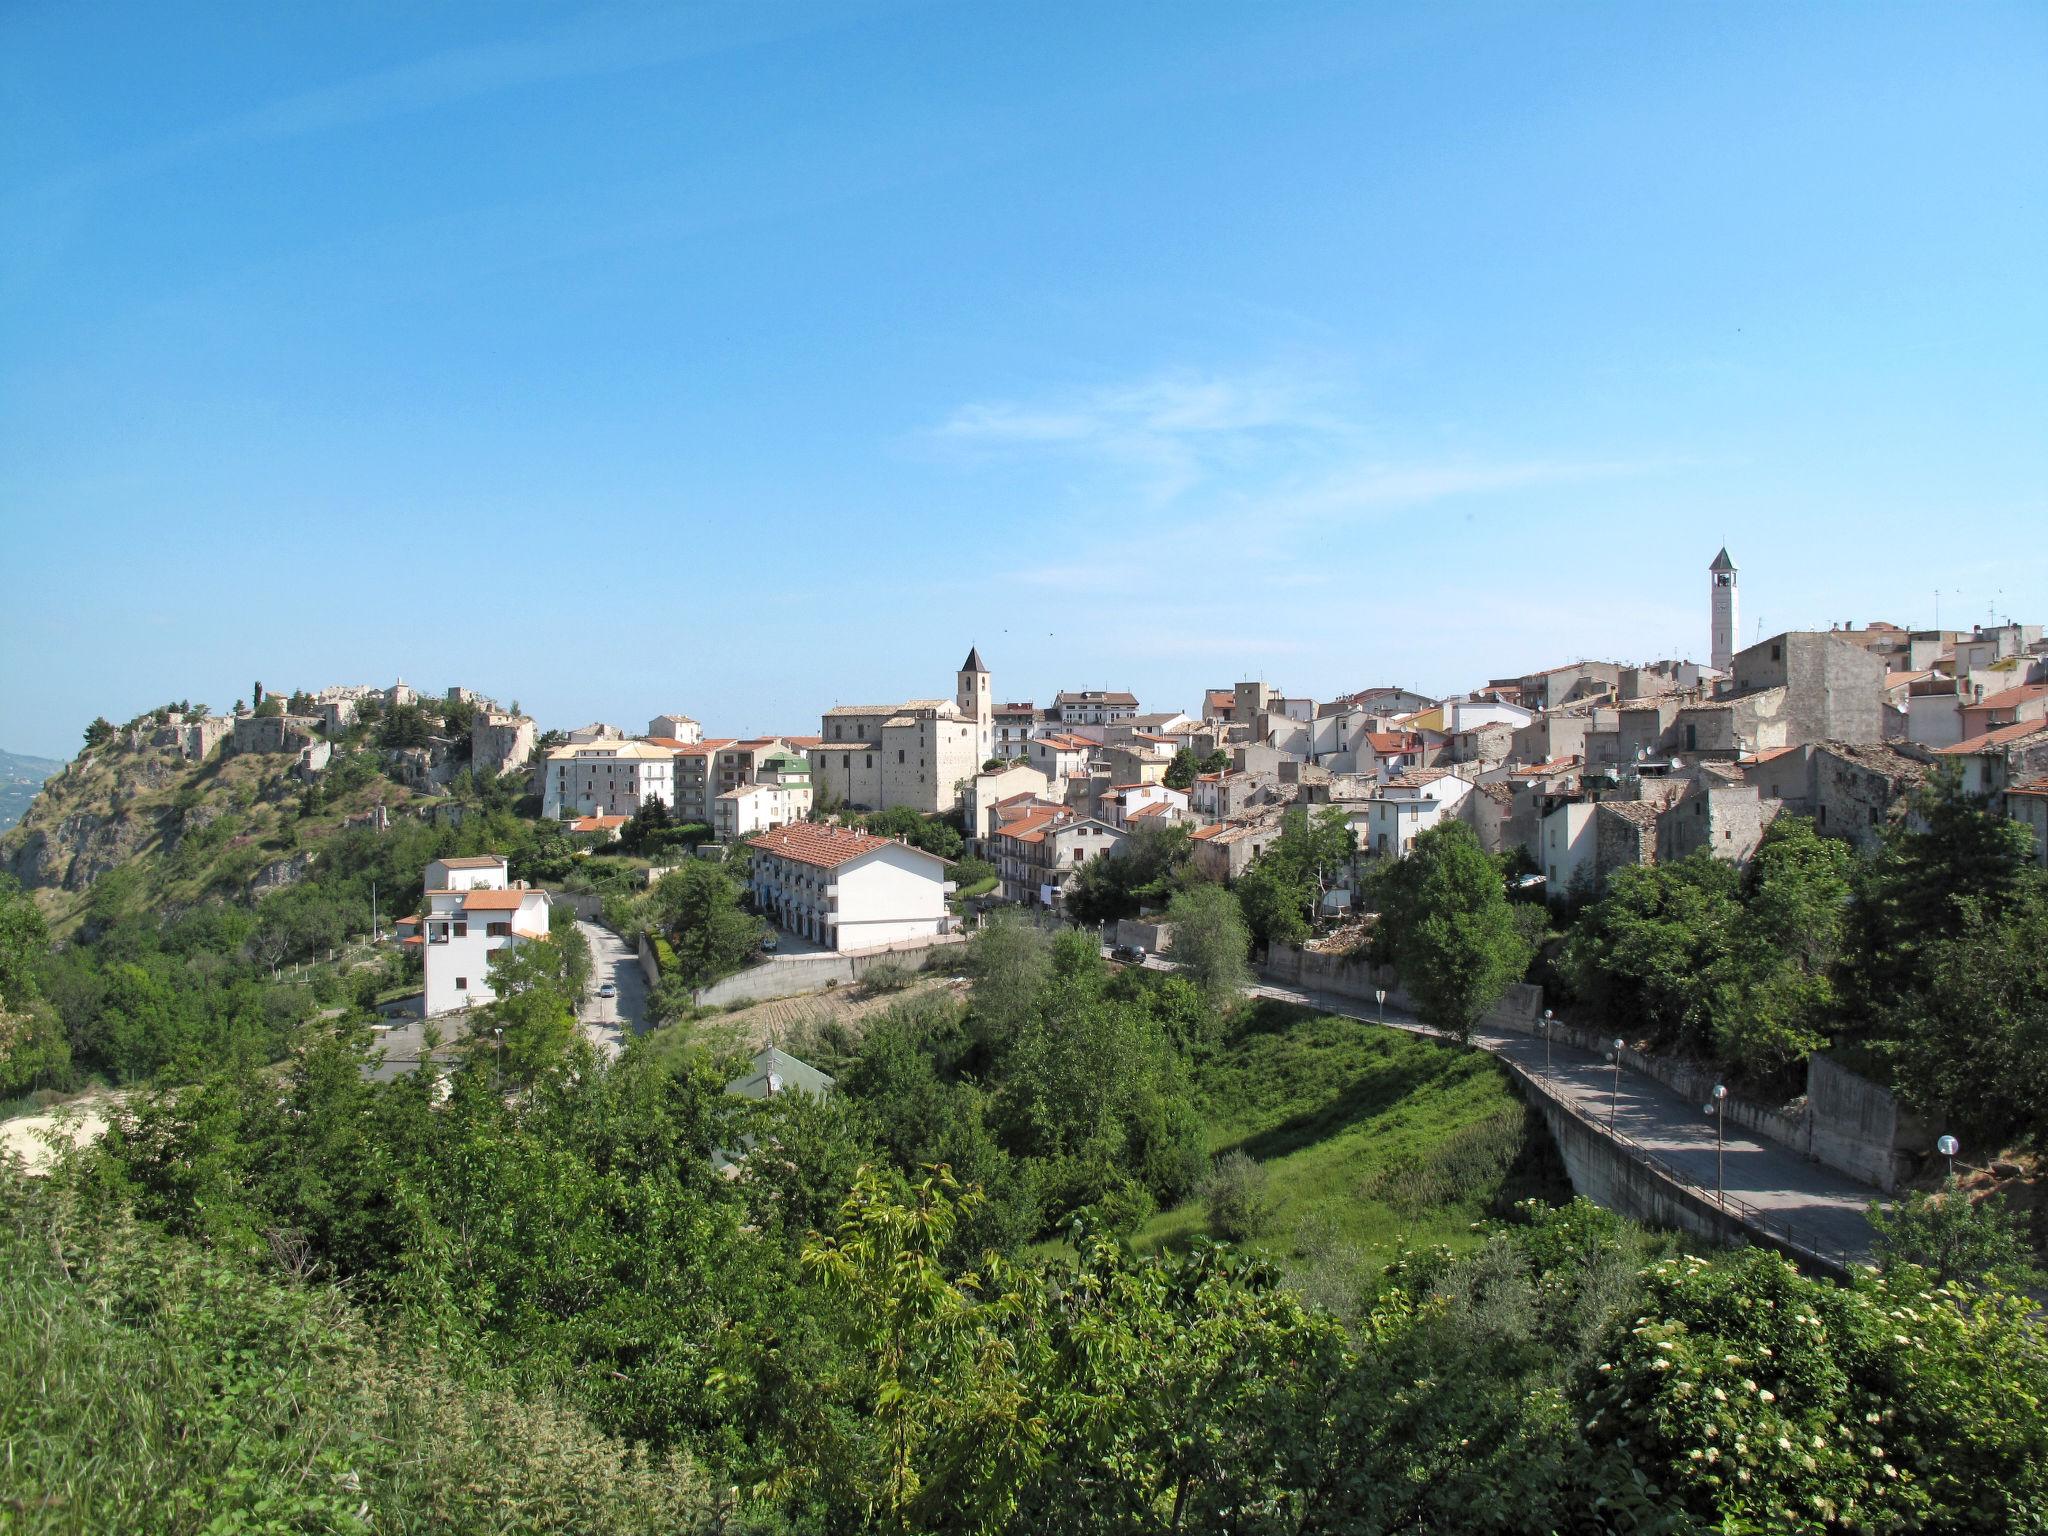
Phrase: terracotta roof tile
[495,901]
[809,842]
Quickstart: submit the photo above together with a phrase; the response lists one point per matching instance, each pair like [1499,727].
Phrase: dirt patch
[38,1140]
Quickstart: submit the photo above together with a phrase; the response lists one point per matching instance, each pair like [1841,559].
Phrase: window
[1777,653]
[899,754]
[462,930]
[498,930]
[462,983]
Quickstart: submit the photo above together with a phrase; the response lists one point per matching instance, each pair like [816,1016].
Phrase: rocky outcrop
[279,873]
[76,851]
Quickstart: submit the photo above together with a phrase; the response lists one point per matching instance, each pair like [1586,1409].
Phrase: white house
[1410,804]
[1570,849]
[780,796]
[848,890]
[469,912]
[606,778]
[1128,806]
[1060,757]
[680,729]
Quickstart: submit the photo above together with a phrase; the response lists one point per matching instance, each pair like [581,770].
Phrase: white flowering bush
[1762,1400]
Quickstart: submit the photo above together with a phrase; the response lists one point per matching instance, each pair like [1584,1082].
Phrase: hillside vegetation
[1368,1140]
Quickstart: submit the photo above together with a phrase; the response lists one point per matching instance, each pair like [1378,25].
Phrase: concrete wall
[793,975]
[1343,976]
[649,966]
[1153,938]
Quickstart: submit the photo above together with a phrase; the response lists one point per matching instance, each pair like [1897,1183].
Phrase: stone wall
[649,966]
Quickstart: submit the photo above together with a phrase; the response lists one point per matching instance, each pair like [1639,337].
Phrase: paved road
[1823,1210]
[608,1022]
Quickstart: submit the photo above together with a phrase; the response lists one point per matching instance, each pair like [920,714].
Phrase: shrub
[1239,1199]
[887,976]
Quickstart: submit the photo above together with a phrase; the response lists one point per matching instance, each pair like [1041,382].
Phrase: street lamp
[1717,1107]
[1549,1019]
[1614,1093]
[1948,1147]
[1379,996]
[498,1069]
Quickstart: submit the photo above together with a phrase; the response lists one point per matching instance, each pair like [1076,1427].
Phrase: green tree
[1954,860]
[1968,1046]
[99,732]
[1212,945]
[1643,955]
[1182,771]
[1951,1235]
[700,904]
[1010,959]
[1146,868]
[1774,992]
[1460,946]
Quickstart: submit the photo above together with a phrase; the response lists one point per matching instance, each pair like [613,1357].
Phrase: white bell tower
[1722,572]
[976,697]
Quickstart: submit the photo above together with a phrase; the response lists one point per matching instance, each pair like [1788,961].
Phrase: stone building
[919,754]
[1823,688]
[1091,706]
[273,733]
[500,743]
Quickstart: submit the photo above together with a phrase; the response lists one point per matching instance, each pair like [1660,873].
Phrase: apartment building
[606,777]
[848,890]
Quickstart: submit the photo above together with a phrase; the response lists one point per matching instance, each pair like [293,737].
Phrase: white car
[608,990]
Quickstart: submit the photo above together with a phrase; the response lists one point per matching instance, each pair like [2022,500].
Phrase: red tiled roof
[810,842]
[1774,753]
[705,748]
[1394,741]
[2029,787]
[2026,693]
[495,901]
[598,823]
[2003,736]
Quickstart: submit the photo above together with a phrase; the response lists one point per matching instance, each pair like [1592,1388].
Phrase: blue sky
[752,358]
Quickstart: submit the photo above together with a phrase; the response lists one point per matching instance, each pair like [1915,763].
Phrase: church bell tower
[977,702]
[1722,572]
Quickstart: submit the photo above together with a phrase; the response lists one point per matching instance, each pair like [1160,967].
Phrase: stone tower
[977,703]
[1722,571]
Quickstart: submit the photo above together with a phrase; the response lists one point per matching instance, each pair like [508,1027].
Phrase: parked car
[768,942]
[608,990]
[1130,954]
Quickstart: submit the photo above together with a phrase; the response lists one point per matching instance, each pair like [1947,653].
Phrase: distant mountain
[20,778]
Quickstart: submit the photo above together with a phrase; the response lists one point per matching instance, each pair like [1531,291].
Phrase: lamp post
[1549,1018]
[1717,1107]
[1379,996]
[1614,1093]
[1948,1147]
[498,1067]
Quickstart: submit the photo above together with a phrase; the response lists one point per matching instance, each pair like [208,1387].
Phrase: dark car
[1130,954]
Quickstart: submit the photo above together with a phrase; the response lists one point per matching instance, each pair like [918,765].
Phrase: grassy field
[1369,1137]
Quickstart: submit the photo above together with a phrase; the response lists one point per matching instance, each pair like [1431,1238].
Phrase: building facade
[470,911]
[847,890]
[606,777]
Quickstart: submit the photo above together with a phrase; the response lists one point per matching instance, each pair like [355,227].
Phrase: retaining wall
[1519,1007]
[793,975]
[649,966]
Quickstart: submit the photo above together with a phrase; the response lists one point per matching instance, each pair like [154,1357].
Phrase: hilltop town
[1573,771]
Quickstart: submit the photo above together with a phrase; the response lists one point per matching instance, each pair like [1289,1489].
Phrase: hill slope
[230,826]
[20,777]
